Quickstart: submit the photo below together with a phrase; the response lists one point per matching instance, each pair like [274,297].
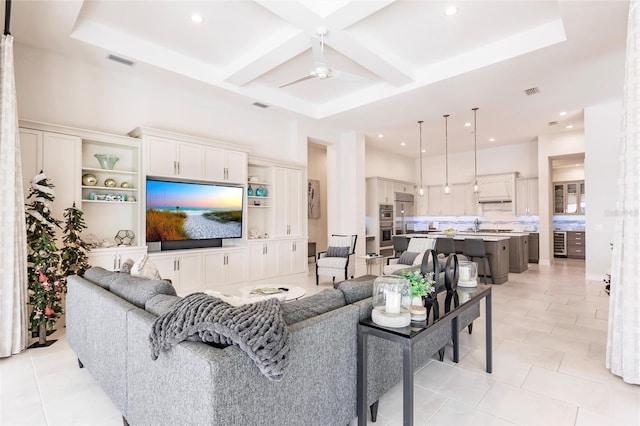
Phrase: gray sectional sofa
[109,318]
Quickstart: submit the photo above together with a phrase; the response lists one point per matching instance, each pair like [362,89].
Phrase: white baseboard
[594,276]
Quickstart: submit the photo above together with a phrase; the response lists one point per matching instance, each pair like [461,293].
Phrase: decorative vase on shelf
[107,161]
[250,191]
[261,191]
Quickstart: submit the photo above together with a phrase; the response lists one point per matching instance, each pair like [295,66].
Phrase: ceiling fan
[321,70]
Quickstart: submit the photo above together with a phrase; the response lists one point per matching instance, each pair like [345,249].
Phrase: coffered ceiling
[387,63]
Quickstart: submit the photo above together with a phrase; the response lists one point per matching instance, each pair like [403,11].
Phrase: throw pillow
[125,268]
[145,268]
[407,258]
[337,252]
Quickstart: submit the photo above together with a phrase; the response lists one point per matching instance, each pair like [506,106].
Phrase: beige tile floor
[550,330]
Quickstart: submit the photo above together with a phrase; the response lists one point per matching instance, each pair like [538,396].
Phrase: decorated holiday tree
[43,261]
[74,253]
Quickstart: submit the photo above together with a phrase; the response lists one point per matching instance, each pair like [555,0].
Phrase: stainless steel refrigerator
[404,213]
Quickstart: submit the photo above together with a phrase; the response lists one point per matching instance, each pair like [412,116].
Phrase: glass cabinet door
[582,199]
[558,198]
[572,198]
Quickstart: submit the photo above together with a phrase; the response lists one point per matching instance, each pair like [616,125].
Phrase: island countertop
[464,235]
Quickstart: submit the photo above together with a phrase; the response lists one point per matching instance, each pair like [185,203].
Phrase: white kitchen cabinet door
[527,196]
[214,270]
[235,267]
[257,259]
[299,256]
[285,257]
[190,272]
[104,258]
[385,191]
[190,160]
[236,167]
[166,264]
[161,157]
[288,202]
[434,206]
[214,164]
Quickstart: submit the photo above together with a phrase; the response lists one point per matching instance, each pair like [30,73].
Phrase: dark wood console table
[409,336]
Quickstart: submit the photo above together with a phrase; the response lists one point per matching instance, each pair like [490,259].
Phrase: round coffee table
[290,292]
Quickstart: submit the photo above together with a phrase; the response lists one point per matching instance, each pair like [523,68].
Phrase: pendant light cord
[475,147]
[446,148]
[421,186]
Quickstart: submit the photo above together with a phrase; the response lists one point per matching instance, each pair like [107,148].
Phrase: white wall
[522,158]
[602,141]
[550,146]
[564,174]
[388,165]
[54,89]
[317,169]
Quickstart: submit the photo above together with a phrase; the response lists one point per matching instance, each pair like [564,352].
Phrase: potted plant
[420,286]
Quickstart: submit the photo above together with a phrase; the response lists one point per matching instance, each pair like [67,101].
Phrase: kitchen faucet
[476,226]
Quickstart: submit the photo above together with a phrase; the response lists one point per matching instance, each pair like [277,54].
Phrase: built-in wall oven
[560,243]
[386,226]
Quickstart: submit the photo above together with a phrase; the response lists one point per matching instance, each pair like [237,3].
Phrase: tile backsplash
[466,223]
[568,223]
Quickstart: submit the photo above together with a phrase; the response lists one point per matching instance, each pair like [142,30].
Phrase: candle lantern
[388,310]
[468,274]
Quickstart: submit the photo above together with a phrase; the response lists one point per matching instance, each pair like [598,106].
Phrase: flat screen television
[192,215]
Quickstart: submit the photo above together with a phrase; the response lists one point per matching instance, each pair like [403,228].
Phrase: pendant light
[447,191]
[476,189]
[421,189]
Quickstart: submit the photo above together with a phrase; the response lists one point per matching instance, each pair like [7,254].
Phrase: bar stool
[474,248]
[445,245]
[400,244]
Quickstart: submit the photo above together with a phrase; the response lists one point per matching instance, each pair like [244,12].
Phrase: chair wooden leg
[374,411]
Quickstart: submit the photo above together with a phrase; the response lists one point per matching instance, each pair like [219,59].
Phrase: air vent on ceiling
[121,60]
[552,123]
[260,105]
[531,91]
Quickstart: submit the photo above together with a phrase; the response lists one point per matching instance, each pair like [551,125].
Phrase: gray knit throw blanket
[258,329]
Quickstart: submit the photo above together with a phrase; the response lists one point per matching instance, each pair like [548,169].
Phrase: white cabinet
[171,158]
[224,267]
[58,156]
[385,191]
[288,201]
[113,258]
[434,200]
[184,269]
[292,256]
[222,165]
[461,201]
[569,197]
[263,260]
[527,196]
[180,156]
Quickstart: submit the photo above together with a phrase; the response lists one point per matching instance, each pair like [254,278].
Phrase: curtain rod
[7,17]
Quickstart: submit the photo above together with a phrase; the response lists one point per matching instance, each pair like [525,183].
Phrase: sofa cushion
[101,276]
[138,290]
[309,307]
[356,290]
[145,268]
[160,303]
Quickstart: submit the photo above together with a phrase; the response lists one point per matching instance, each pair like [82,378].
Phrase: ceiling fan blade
[317,46]
[347,76]
[306,77]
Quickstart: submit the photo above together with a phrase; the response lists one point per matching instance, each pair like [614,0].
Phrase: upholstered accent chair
[339,259]
[411,257]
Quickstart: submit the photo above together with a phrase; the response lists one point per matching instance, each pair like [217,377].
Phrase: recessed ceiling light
[450,11]
[381,136]
[492,139]
[198,19]
[570,126]
[467,124]
[403,143]
[563,113]
[424,150]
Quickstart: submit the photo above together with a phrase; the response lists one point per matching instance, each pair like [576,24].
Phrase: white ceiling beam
[354,12]
[265,57]
[388,68]
[294,13]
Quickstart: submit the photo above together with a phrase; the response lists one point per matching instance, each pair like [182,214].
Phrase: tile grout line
[35,375]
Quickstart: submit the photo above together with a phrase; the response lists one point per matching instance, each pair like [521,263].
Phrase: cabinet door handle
[114,262]
[175,168]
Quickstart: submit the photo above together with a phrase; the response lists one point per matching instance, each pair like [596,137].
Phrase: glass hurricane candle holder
[468,274]
[388,310]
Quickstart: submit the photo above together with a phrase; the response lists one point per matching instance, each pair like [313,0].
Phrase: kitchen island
[496,246]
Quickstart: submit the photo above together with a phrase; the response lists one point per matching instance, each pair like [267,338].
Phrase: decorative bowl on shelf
[89,179]
[107,161]
[450,232]
[110,183]
[125,185]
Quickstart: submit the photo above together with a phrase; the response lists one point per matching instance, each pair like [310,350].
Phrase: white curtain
[623,341]
[13,247]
